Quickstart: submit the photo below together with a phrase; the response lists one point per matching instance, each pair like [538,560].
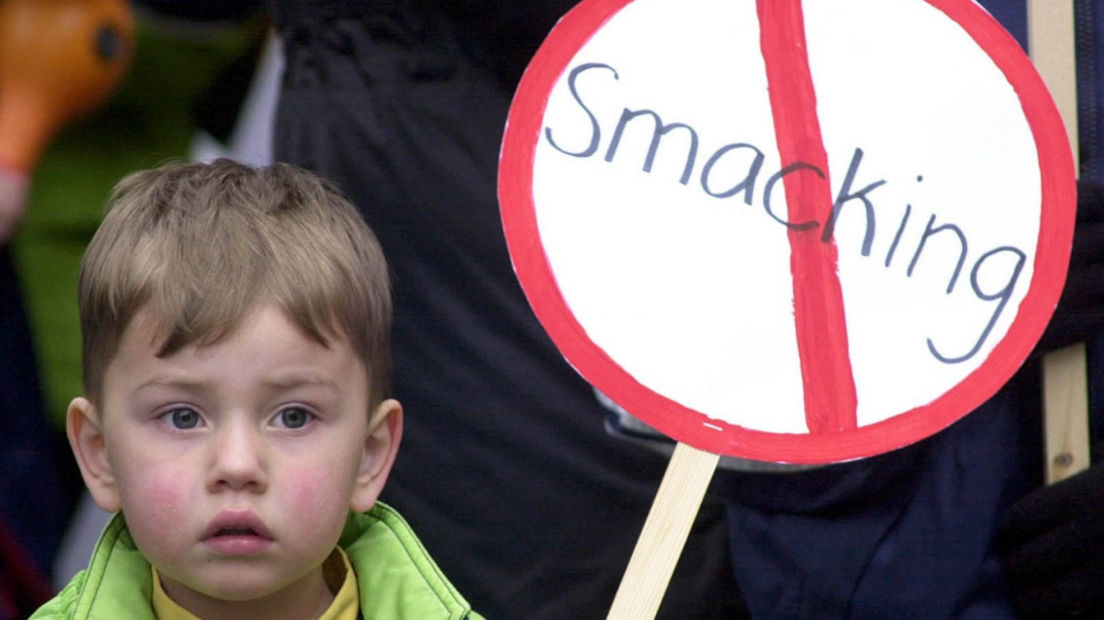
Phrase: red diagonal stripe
[830,398]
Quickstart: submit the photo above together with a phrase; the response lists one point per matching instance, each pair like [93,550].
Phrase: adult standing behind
[403,105]
[509,475]
[958,525]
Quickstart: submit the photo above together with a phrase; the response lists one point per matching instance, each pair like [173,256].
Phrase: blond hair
[198,245]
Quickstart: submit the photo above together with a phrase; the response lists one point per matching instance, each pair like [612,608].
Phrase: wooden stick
[1065,383]
[1050,39]
[665,531]
[1065,398]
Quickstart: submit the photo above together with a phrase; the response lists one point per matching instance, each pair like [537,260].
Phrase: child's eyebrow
[281,382]
[158,381]
[301,379]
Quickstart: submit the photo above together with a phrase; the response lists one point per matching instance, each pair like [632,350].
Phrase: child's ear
[85,429]
[380,447]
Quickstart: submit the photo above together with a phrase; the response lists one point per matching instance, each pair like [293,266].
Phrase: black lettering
[770,188]
[1003,295]
[748,182]
[929,231]
[845,195]
[595,130]
[659,129]
[897,237]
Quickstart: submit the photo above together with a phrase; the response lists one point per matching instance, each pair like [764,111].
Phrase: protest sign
[801,232]
[796,232]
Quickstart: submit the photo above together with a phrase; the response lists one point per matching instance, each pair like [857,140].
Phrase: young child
[236,366]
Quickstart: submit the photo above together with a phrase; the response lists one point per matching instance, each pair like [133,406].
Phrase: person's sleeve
[1052,542]
[1079,316]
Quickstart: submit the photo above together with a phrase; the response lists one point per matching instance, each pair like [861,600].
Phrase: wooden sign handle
[665,531]
[1065,381]
[1066,404]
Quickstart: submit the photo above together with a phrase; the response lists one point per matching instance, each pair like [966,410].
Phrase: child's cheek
[319,494]
[157,515]
[308,487]
[162,494]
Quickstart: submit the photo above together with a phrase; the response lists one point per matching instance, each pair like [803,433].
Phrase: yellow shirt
[345,606]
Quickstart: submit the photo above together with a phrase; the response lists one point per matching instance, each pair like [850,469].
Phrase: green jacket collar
[397,578]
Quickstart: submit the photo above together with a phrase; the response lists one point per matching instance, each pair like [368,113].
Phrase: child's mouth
[237,541]
[237,533]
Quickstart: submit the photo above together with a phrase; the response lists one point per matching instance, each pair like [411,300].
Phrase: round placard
[790,231]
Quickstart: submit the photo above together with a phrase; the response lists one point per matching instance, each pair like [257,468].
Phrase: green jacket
[398,580]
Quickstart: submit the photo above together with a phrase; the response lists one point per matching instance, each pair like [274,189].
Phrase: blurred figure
[65,169]
[58,60]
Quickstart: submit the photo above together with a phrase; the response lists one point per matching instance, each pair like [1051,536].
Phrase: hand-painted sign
[790,231]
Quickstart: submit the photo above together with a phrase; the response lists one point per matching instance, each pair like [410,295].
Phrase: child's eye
[182,418]
[293,417]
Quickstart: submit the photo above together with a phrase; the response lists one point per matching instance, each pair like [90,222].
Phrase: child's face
[236,464]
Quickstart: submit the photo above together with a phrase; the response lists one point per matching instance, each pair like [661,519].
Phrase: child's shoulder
[390,561]
[62,606]
[116,584]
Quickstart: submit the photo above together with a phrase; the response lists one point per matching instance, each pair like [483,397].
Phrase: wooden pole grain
[1051,40]
[664,534]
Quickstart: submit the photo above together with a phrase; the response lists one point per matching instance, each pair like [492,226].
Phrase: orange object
[58,60]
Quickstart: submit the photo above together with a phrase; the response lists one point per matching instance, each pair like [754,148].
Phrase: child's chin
[238,588]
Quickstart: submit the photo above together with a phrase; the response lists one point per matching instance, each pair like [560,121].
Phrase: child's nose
[239,459]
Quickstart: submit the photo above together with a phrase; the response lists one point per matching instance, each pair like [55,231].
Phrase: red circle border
[1058,190]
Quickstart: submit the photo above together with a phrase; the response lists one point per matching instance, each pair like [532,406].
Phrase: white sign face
[783,230]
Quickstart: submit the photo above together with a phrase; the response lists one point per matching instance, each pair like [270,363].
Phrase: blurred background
[91,90]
